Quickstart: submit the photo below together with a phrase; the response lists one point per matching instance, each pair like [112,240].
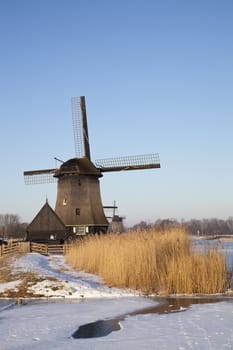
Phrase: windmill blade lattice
[35,177]
[147,161]
[77,127]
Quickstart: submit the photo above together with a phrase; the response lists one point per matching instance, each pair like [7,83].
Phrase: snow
[70,283]
[9,285]
[49,323]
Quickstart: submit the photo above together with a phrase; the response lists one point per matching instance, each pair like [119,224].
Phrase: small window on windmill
[64,202]
[77,211]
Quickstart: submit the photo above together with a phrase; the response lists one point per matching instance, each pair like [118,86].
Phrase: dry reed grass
[162,262]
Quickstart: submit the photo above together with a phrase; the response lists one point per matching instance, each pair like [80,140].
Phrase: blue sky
[157,76]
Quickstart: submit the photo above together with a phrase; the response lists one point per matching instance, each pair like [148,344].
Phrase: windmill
[78,202]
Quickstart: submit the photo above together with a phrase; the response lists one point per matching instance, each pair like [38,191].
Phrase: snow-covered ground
[49,323]
[60,281]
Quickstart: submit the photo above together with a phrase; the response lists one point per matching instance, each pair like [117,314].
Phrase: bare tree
[8,223]
[230,224]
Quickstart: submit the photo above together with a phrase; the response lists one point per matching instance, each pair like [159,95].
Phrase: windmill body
[78,204]
[78,201]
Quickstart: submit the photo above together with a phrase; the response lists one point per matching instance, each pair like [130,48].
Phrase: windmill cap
[78,166]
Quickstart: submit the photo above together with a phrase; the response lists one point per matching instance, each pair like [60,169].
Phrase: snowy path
[59,280]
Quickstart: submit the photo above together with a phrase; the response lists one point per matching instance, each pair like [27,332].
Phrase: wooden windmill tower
[78,202]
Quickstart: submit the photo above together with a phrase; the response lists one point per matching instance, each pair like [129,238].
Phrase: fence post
[0,250]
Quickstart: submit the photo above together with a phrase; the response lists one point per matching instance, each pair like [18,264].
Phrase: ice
[50,325]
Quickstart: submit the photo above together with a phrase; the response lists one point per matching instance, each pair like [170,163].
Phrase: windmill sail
[79,116]
[148,161]
[33,177]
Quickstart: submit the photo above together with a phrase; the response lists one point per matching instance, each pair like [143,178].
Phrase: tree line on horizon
[199,227]
[11,225]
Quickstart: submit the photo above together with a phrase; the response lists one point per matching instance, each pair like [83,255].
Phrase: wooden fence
[12,247]
[39,248]
[47,249]
[58,248]
[30,247]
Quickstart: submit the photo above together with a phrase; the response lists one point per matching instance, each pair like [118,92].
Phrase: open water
[225,246]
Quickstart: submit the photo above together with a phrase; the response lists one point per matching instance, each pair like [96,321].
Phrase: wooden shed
[47,227]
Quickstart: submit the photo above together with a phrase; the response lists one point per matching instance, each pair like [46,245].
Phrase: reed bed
[160,262]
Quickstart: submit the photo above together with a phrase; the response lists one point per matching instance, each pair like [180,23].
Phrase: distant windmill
[78,202]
